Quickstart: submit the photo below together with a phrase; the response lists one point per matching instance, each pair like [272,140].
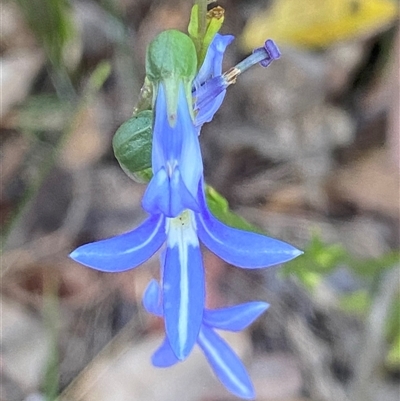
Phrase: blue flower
[224,362]
[179,218]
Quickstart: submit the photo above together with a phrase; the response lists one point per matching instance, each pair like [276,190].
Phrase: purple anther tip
[273,52]
[272,49]
[269,51]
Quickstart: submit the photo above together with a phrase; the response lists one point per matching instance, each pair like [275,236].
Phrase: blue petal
[125,251]
[152,298]
[240,248]
[212,64]
[210,96]
[225,363]
[157,196]
[183,293]
[164,356]
[209,99]
[234,318]
[168,195]
[176,160]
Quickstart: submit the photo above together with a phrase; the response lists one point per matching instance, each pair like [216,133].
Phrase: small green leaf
[98,78]
[309,279]
[319,258]
[220,209]
[132,143]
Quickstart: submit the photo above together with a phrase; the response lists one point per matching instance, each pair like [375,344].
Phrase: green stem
[202,16]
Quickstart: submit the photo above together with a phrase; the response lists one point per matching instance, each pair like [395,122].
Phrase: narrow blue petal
[210,95]
[234,318]
[125,251]
[240,248]
[183,290]
[164,356]
[152,298]
[206,113]
[226,364]
[212,64]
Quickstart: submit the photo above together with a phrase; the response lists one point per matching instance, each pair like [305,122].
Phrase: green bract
[202,40]
[171,60]
[132,144]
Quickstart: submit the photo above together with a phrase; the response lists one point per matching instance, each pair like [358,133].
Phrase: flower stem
[202,17]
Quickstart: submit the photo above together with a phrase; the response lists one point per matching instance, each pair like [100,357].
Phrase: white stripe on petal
[183,284]
[183,235]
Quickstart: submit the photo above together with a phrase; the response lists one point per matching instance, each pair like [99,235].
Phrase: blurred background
[308,150]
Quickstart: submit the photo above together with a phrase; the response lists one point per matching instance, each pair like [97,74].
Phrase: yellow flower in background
[316,23]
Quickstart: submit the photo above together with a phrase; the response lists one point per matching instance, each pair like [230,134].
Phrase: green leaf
[318,257]
[171,60]
[98,78]
[357,302]
[309,279]
[132,143]
[325,257]
[219,207]
[202,38]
